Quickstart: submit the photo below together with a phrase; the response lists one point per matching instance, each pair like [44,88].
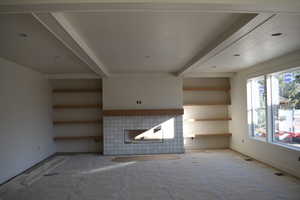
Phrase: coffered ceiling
[94,37]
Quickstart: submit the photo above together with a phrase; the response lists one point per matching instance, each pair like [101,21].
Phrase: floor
[214,174]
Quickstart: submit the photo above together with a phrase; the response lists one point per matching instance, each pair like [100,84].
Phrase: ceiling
[142,42]
[26,41]
[114,39]
[258,46]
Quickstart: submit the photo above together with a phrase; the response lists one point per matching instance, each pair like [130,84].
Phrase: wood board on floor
[145,158]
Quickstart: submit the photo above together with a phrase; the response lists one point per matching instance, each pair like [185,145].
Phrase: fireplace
[124,135]
[138,136]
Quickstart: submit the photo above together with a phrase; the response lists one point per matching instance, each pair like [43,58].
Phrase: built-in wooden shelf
[147,112]
[96,138]
[207,104]
[206,89]
[76,122]
[68,106]
[207,119]
[212,134]
[82,90]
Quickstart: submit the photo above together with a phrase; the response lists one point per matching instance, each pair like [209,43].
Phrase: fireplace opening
[135,136]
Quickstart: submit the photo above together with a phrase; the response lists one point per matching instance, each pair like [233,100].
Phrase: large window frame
[256,92]
[270,112]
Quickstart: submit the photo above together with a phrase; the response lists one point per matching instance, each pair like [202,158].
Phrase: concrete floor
[199,175]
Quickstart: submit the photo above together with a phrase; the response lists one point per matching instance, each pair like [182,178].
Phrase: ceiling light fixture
[276,34]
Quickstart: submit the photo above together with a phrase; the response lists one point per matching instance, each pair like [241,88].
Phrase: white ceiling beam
[241,6]
[63,31]
[235,34]
[73,76]
[210,75]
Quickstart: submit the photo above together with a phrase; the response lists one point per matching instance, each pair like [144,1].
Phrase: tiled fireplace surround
[114,127]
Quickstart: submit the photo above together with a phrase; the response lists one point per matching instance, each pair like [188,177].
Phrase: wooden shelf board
[147,112]
[207,104]
[207,119]
[65,106]
[76,122]
[80,90]
[212,134]
[206,89]
[96,138]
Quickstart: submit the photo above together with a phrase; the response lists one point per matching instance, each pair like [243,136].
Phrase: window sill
[258,139]
[285,146]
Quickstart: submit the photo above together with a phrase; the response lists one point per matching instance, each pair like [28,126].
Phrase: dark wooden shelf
[143,112]
[79,106]
[207,119]
[82,90]
[212,134]
[59,122]
[226,89]
[96,138]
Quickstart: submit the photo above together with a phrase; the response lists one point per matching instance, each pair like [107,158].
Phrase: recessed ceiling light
[23,35]
[276,34]
[236,55]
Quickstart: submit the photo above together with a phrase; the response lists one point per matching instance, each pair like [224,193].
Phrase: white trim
[209,75]
[143,74]
[73,76]
[258,139]
[229,6]
[285,146]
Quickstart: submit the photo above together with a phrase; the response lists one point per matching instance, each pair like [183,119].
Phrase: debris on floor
[279,174]
[32,175]
[51,174]
[248,159]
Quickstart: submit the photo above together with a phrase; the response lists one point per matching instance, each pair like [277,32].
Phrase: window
[256,89]
[286,107]
[275,97]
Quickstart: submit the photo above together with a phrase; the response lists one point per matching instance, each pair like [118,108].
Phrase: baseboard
[76,153]
[267,164]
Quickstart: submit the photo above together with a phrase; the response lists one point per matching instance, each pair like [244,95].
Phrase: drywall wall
[192,127]
[155,92]
[25,119]
[277,156]
[77,129]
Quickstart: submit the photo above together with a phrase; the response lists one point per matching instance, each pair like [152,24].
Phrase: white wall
[155,92]
[25,119]
[277,156]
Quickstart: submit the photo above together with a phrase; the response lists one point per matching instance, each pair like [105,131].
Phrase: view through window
[284,109]
[257,107]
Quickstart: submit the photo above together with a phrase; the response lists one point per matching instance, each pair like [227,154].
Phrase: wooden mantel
[146,112]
